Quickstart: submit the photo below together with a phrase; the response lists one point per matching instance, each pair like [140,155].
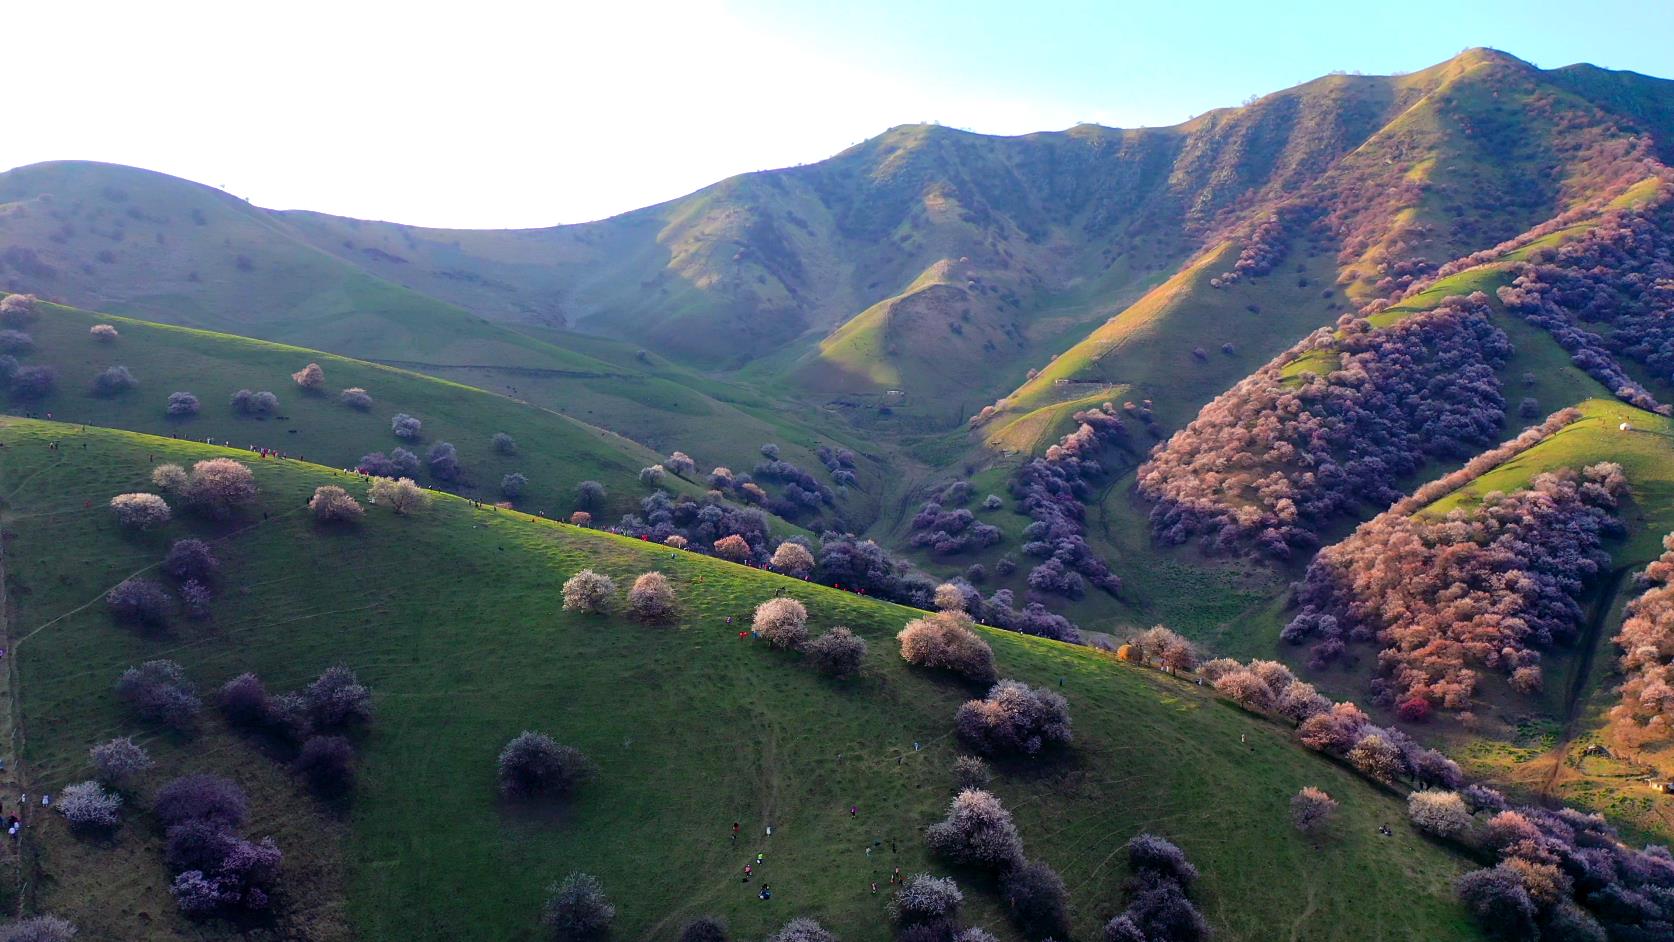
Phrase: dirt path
[1574,698]
[11,728]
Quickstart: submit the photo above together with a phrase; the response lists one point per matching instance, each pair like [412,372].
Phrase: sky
[495,114]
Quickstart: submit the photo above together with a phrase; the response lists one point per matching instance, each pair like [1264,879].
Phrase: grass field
[693,728]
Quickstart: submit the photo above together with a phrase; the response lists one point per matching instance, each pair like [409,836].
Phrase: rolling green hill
[692,727]
[554,452]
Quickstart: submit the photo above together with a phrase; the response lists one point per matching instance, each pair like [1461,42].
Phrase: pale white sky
[491,113]
[461,114]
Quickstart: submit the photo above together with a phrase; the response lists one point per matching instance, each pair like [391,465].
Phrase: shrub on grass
[533,765]
[513,485]
[246,402]
[87,806]
[244,701]
[950,598]
[503,444]
[182,404]
[117,762]
[945,641]
[1149,853]
[590,495]
[169,477]
[139,601]
[1499,901]
[652,476]
[18,309]
[399,494]
[581,518]
[977,832]
[1311,809]
[782,623]
[113,380]
[971,772]
[32,383]
[927,899]
[16,341]
[209,799]
[839,652]
[310,379]
[1038,901]
[802,929]
[444,462]
[406,427]
[1440,812]
[704,929]
[793,559]
[1377,757]
[356,398]
[1015,719]
[577,909]
[195,599]
[327,763]
[218,487]
[140,511]
[588,591]
[652,598]
[733,547]
[337,700]
[1166,649]
[680,463]
[331,503]
[399,463]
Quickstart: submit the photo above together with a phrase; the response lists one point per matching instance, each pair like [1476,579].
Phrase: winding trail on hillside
[1603,603]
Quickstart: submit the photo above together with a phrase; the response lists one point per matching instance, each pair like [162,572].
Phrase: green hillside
[692,727]
[554,452]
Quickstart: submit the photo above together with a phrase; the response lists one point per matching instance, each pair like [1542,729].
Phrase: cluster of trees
[161,692]
[947,532]
[1266,244]
[1159,908]
[801,495]
[1477,589]
[1052,491]
[1647,643]
[840,462]
[783,623]
[1619,274]
[215,869]
[316,722]
[650,599]
[217,488]
[1015,719]
[701,523]
[1338,729]
[27,383]
[1276,457]
[1559,874]
[979,833]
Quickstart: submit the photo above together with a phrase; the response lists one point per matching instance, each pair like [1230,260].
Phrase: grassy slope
[692,727]
[153,246]
[555,452]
